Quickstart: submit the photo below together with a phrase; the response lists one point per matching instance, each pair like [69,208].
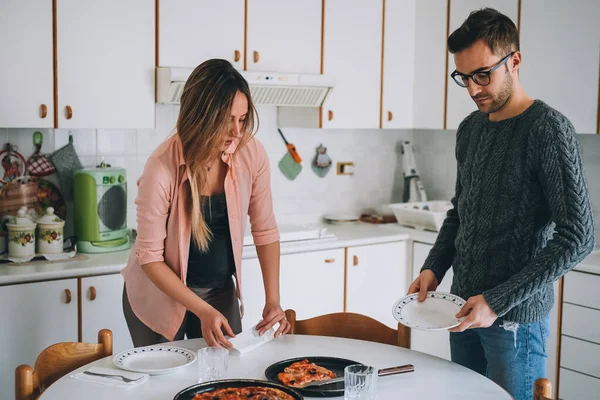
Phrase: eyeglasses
[482,78]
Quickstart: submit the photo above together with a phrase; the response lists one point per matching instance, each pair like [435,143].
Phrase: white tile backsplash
[117,142]
[84,140]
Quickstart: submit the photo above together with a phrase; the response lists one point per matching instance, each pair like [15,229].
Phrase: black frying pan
[190,392]
[336,365]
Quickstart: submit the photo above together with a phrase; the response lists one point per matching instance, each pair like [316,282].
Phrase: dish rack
[427,215]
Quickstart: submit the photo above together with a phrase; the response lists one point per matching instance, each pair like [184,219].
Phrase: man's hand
[426,281]
[479,314]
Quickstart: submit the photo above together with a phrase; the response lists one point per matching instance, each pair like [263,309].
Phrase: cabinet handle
[68,296]
[256,56]
[92,293]
[237,56]
[329,115]
[43,111]
[330,260]
[69,111]
[355,260]
[390,116]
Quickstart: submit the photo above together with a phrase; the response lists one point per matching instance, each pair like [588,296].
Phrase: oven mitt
[66,162]
[289,167]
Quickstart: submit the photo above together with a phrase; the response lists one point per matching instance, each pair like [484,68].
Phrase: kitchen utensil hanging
[322,162]
[13,162]
[39,164]
[290,163]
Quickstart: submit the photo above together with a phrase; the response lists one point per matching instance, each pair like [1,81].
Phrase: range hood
[267,88]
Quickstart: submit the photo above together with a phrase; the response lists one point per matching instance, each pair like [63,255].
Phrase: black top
[213,268]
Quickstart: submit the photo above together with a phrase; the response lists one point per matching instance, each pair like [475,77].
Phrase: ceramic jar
[21,235]
[50,233]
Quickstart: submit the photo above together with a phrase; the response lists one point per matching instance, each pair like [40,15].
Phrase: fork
[127,380]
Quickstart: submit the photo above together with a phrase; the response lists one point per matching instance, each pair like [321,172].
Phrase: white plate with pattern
[154,360]
[436,313]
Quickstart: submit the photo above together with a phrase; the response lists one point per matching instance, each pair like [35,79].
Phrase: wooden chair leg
[106,340]
[291,317]
[542,389]
[23,382]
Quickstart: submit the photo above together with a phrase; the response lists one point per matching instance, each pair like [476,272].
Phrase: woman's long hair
[203,124]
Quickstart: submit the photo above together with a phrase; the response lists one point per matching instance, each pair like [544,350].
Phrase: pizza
[244,392]
[303,372]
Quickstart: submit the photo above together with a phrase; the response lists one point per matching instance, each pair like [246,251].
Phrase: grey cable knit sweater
[521,215]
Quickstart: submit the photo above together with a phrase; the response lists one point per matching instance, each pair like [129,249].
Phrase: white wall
[377,179]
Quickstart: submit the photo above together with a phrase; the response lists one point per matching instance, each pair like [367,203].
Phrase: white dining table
[433,378]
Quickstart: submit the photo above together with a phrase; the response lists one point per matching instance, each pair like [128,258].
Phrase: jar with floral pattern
[50,233]
[21,235]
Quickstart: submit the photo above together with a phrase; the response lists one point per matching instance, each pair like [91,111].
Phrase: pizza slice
[303,372]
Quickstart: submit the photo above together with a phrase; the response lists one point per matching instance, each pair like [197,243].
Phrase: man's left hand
[478,312]
[272,314]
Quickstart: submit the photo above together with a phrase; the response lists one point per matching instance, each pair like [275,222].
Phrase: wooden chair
[351,326]
[58,360]
[542,389]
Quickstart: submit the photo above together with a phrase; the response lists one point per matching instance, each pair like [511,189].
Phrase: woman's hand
[272,314]
[213,325]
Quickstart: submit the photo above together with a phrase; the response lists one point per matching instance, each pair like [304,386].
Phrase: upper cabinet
[560,42]
[284,36]
[429,64]
[98,73]
[106,58]
[459,103]
[192,31]
[26,74]
[398,69]
[352,57]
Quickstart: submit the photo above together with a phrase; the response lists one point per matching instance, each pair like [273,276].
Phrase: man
[521,215]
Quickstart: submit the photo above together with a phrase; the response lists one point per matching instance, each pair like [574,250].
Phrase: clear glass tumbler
[360,382]
[212,363]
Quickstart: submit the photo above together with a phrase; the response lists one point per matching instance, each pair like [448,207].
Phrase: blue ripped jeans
[512,355]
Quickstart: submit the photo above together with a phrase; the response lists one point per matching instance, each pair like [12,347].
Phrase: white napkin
[249,340]
[114,379]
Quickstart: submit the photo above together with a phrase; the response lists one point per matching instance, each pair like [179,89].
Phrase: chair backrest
[351,326]
[58,360]
[542,389]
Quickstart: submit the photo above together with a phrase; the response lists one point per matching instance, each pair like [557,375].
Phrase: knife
[401,369]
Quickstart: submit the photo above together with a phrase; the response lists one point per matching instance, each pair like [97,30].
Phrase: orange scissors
[291,148]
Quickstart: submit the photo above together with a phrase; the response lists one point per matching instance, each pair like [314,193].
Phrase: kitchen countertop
[347,235]
[353,234]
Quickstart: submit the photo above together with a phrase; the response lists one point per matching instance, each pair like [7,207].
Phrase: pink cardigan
[164,229]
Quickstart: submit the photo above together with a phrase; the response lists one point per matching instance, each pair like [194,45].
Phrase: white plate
[154,360]
[436,313]
[333,218]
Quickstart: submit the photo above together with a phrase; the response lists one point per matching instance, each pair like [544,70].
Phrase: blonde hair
[202,126]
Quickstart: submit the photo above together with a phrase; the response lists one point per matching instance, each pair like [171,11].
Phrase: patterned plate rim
[401,303]
[188,354]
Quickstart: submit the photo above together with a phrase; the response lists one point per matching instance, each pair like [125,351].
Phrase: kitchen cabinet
[26,73]
[102,308]
[580,342]
[436,343]
[398,69]
[284,36]
[193,31]
[376,276]
[311,283]
[459,103]
[34,316]
[106,60]
[352,56]
[560,65]
[429,64]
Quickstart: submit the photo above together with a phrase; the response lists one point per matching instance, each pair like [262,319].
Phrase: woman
[193,198]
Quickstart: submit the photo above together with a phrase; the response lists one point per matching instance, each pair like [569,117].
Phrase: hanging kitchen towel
[66,162]
[289,167]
